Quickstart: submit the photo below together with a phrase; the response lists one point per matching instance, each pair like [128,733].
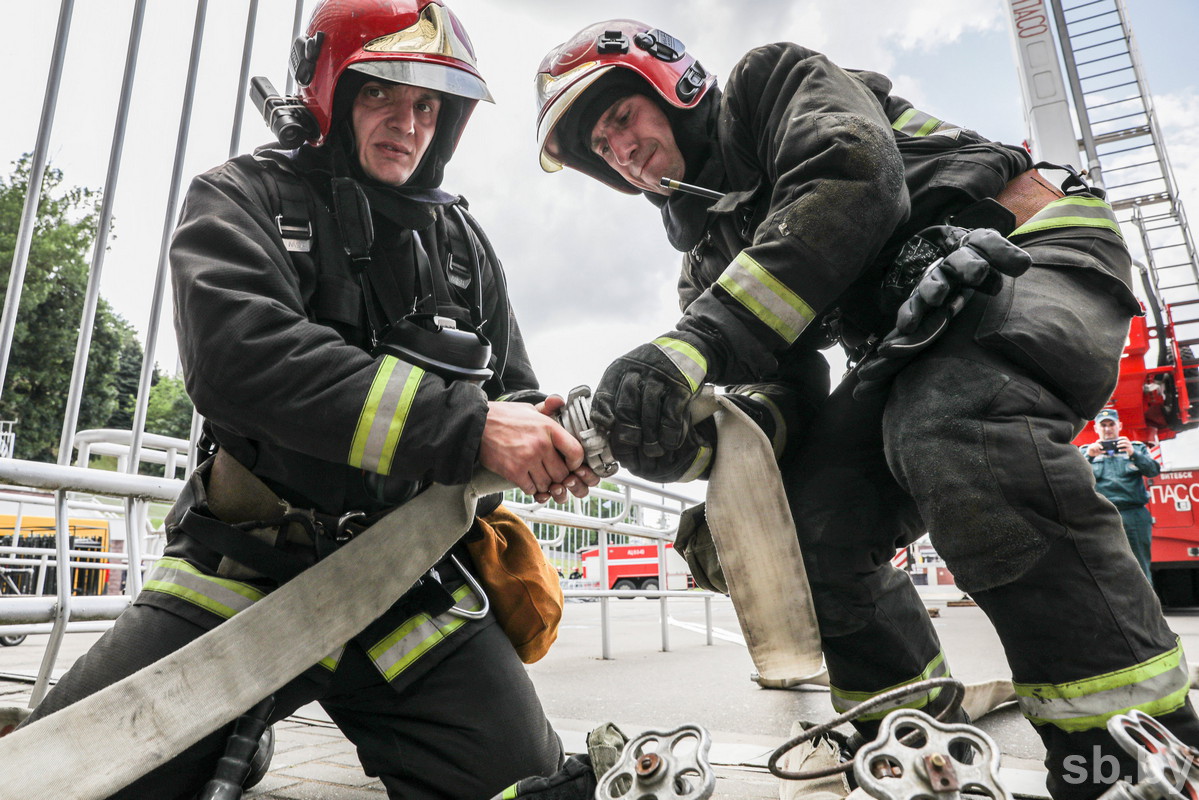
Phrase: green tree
[47,327]
[169,410]
[129,370]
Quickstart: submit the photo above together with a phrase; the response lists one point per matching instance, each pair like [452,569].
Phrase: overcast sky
[589,270]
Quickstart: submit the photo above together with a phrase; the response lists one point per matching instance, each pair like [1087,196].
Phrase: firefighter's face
[393,125]
[634,138]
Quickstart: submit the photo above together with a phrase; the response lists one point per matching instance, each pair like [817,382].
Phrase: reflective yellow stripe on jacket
[220,596]
[766,297]
[420,634]
[1156,686]
[384,414]
[844,700]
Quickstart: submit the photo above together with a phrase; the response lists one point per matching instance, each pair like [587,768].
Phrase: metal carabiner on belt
[466,613]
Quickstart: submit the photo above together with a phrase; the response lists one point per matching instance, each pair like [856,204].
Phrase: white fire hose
[754,533]
[109,739]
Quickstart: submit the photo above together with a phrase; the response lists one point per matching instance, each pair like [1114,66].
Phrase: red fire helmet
[417,42]
[570,68]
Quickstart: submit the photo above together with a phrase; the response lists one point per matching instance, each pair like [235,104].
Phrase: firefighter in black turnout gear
[345,329]
[827,210]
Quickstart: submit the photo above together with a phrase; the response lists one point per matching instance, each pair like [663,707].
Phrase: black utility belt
[279,548]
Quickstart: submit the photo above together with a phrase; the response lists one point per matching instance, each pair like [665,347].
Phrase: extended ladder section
[1124,149]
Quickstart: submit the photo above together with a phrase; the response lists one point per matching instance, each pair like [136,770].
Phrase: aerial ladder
[1090,107]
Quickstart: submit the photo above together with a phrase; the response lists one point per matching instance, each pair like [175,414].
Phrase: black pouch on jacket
[1065,321]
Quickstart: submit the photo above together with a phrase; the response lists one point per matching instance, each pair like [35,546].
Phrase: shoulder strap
[310,237]
[466,239]
[289,203]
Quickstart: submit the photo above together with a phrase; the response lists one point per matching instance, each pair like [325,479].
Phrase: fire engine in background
[635,566]
[1113,135]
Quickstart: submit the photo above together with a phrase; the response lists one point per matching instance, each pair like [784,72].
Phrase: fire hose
[109,739]
[754,533]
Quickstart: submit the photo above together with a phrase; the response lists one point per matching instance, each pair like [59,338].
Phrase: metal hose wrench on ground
[658,765]
[873,704]
[915,757]
[1168,768]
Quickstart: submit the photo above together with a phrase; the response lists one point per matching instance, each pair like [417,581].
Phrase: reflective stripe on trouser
[844,700]
[384,415]
[1156,686]
[1072,211]
[766,297]
[220,596]
[420,634]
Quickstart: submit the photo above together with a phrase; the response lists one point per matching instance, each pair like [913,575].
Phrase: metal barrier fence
[631,508]
[640,510]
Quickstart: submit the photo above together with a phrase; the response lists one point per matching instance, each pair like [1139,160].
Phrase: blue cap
[1107,413]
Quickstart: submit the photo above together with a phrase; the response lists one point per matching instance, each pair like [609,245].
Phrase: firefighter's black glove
[642,402]
[974,261]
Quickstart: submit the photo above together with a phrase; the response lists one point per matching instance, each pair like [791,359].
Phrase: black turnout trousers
[973,444]
[463,729]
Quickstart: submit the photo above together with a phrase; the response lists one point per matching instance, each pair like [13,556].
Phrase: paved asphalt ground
[640,688]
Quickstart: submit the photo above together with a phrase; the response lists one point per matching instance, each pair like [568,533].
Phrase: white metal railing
[624,507]
[54,614]
[168,451]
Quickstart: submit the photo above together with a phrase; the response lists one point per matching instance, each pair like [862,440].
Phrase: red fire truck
[635,566]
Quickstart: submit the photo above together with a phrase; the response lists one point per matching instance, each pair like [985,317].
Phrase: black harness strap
[234,542]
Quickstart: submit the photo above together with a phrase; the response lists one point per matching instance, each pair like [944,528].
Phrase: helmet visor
[441,77]
[556,96]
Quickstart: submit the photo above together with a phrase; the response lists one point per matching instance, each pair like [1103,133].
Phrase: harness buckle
[297,238]
[480,592]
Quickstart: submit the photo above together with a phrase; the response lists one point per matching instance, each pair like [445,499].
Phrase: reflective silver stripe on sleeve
[915,123]
[766,297]
[384,414]
[689,361]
